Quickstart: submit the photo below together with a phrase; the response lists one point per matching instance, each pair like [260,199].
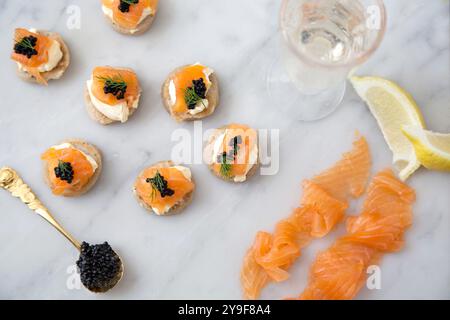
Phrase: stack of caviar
[199,87]
[99,266]
[26,46]
[124,5]
[118,91]
[160,184]
[64,171]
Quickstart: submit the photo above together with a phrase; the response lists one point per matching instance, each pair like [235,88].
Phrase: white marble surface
[198,254]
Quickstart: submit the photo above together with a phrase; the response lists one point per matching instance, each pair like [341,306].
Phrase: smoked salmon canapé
[191,92]
[40,55]
[232,152]
[72,167]
[131,17]
[112,94]
[164,188]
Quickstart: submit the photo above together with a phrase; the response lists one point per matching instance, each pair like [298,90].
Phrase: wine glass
[322,41]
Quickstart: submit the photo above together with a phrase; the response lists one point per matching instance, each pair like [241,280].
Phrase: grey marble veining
[198,254]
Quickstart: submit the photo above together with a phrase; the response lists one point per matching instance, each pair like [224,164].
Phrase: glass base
[285,95]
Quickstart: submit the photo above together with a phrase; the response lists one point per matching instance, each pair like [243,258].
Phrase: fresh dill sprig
[130,2]
[225,167]
[191,97]
[115,82]
[114,85]
[25,43]
[159,184]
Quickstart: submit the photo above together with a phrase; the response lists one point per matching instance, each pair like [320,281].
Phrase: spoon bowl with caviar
[100,267]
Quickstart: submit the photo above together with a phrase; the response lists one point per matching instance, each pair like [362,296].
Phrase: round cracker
[177,208]
[96,115]
[141,28]
[209,149]
[212,96]
[90,150]
[61,67]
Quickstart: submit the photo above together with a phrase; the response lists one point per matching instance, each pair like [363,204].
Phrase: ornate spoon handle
[10,180]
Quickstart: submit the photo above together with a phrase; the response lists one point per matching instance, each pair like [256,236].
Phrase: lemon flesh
[393,108]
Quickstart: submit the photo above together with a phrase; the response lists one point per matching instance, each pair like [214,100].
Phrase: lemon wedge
[432,149]
[393,108]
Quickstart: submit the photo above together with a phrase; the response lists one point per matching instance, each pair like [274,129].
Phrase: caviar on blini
[115,86]
[159,184]
[26,46]
[124,5]
[99,266]
[64,171]
[195,93]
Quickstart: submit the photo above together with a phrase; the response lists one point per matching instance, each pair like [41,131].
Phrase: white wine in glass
[321,42]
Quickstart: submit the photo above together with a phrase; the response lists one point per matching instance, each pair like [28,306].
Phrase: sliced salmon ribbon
[42,47]
[176,181]
[81,166]
[341,271]
[118,77]
[130,18]
[322,207]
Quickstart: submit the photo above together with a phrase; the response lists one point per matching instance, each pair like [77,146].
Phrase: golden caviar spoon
[11,181]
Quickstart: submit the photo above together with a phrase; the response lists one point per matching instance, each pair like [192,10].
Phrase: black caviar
[64,171]
[26,46]
[230,156]
[160,184]
[116,90]
[199,88]
[99,266]
[124,5]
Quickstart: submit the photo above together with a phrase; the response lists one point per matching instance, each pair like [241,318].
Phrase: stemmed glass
[321,42]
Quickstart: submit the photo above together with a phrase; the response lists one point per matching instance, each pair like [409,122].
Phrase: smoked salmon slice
[130,18]
[340,271]
[322,207]
[82,169]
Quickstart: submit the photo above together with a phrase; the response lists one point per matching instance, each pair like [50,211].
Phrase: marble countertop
[198,254]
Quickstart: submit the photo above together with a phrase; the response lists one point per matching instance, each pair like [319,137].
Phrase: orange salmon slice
[322,207]
[340,271]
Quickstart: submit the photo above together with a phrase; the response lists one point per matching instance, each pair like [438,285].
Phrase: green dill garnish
[130,2]
[159,184]
[192,98]
[225,167]
[114,85]
[26,46]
